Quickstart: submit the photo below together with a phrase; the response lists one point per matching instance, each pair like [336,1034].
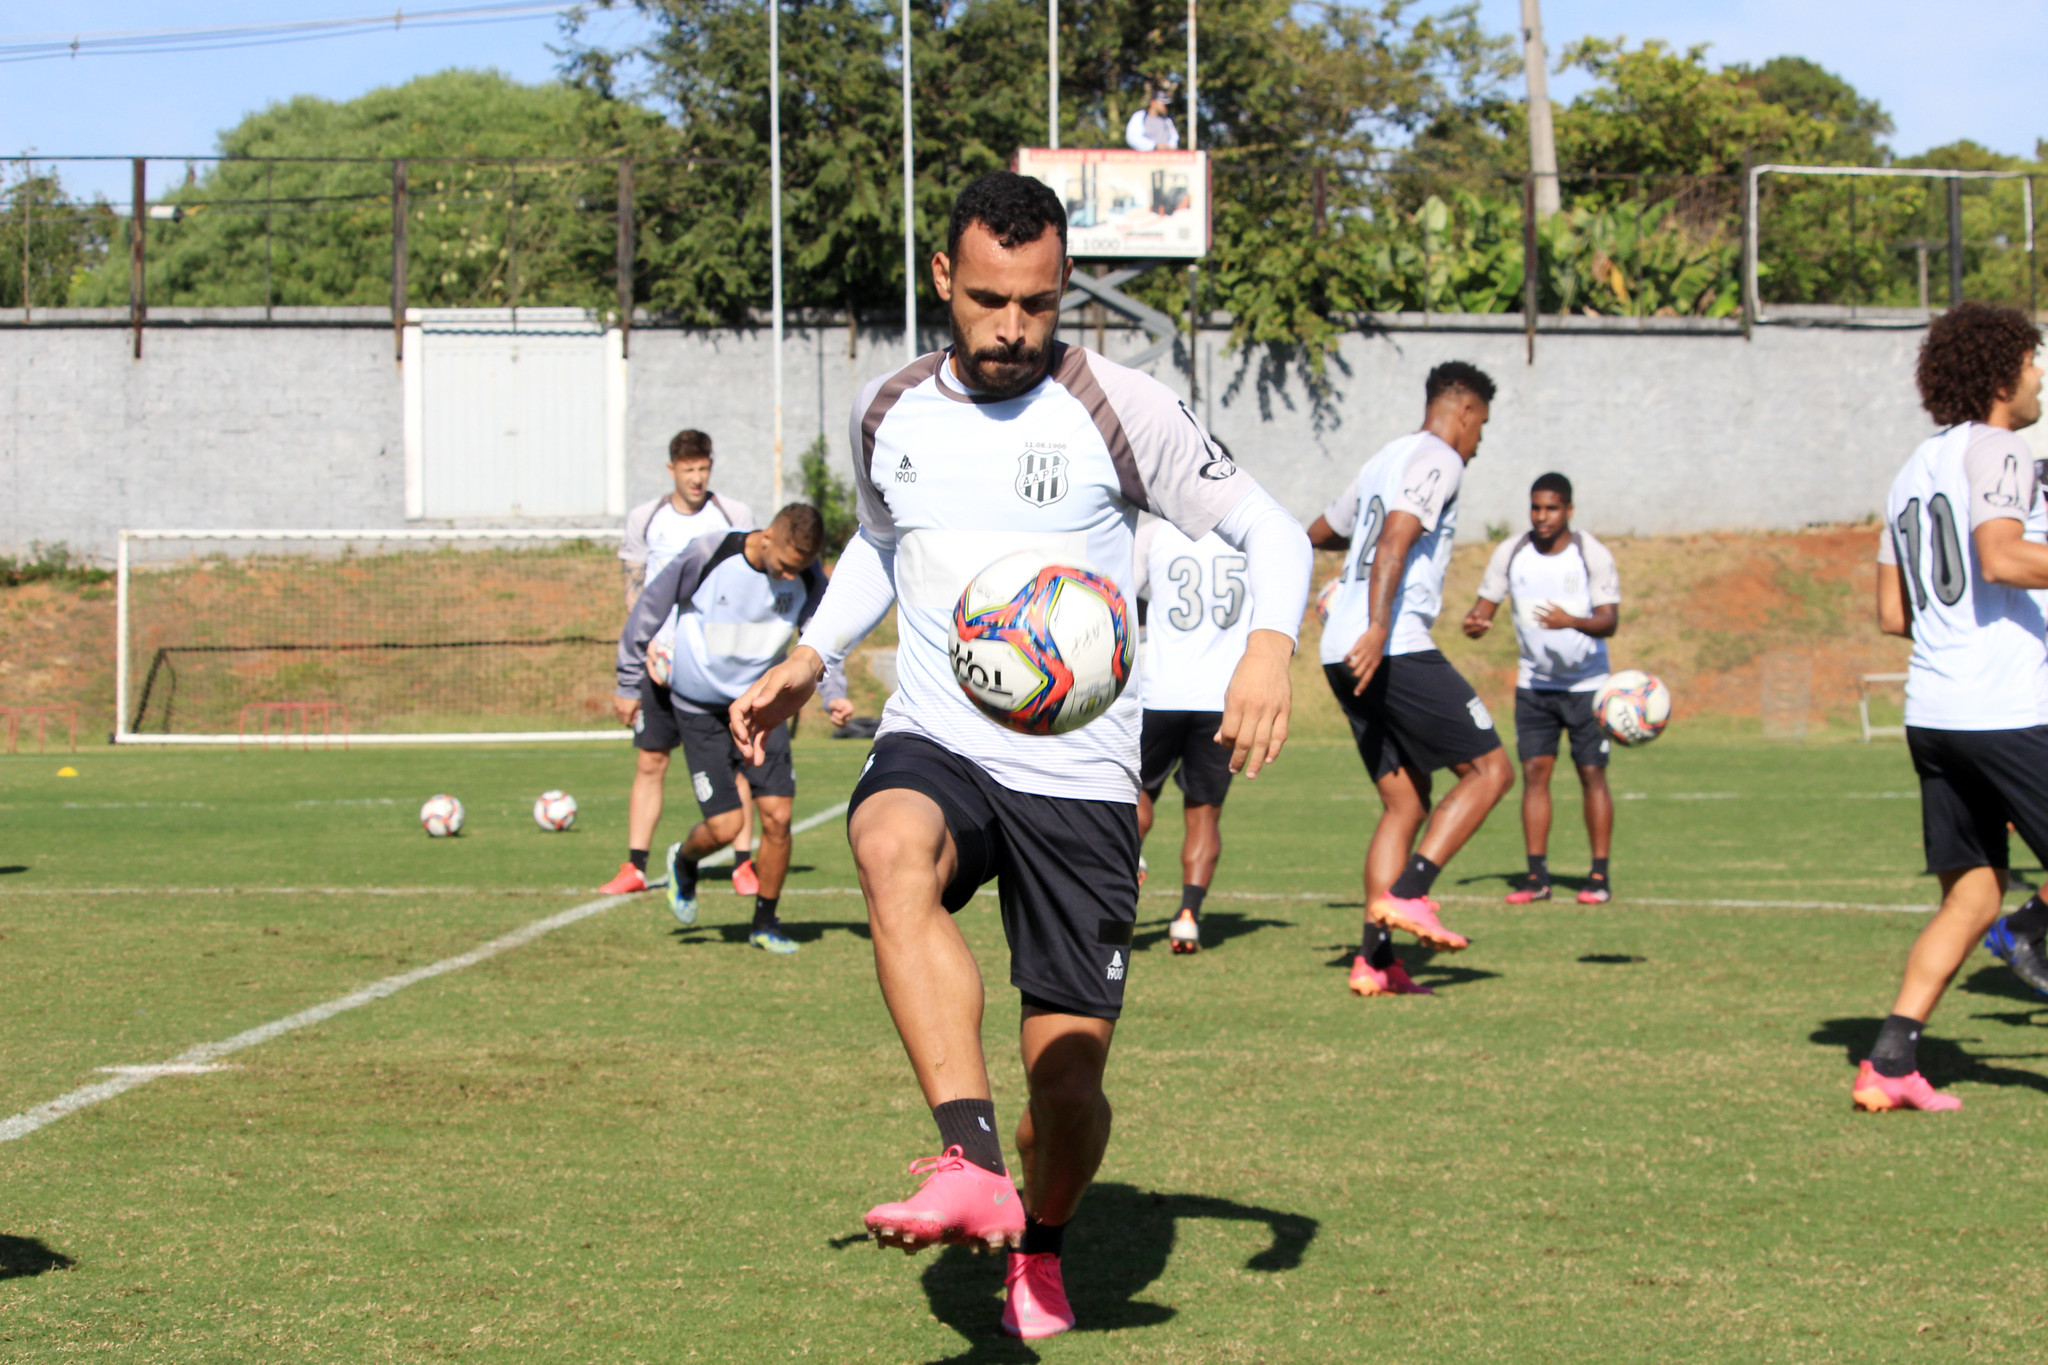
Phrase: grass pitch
[1618,1133]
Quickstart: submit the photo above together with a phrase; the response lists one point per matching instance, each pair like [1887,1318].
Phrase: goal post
[426,636]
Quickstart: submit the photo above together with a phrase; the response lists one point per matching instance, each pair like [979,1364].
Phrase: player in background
[1567,595]
[1008,440]
[737,599]
[1954,575]
[1410,711]
[656,532]
[1197,618]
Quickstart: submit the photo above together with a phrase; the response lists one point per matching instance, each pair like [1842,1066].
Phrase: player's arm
[1324,536]
[1278,563]
[1493,590]
[2005,556]
[675,583]
[636,579]
[862,590]
[1894,613]
[1604,621]
[1389,566]
[1479,620]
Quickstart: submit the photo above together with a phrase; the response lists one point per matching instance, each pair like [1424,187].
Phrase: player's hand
[1364,658]
[627,709]
[1476,625]
[1551,616]
[839,711]
[1256,706]
[776,695]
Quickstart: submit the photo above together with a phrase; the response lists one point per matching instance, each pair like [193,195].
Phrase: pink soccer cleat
[746,881]
[1529,891]
[1036,1304]
[958,1202]
[1367,979]
[629,880]
[1874,1094]
[1402,983]
[1416,915]
[1598,893]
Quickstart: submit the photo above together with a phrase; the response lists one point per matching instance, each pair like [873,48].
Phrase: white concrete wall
[301,426]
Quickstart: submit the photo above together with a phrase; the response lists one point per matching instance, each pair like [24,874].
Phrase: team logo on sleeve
[1042,475]
[2007,492]
[1423,494]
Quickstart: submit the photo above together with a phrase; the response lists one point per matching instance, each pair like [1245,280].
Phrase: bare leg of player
[746,879]
[772,853]
[1969,902]
[928,975]
[1599,811]
[1144,815]
[1536,803]
[1480,786]
[1394,835]
[708,836]
[1201,845]
[1065,1127]
[643,807]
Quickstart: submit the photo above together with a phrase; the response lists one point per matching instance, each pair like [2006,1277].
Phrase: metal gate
[513,414]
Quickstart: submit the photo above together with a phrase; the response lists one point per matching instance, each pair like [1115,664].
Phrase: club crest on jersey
[1042,475]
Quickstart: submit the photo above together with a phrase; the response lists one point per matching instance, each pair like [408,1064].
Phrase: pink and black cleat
[1367,979]
[1036,1303]
[1874,1093]
[1416,915]
[629,880]
[958,1202]
[1530,889]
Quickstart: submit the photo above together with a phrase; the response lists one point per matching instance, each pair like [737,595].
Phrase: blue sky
[1941,79]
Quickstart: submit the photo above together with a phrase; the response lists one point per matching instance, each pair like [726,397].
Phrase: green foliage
[830,494]
[1808,88]
[49,564]
[48,241]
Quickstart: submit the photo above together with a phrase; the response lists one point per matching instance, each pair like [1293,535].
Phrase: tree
[47,241]
[1806,87]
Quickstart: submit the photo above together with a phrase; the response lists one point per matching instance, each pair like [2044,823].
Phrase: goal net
[404,636]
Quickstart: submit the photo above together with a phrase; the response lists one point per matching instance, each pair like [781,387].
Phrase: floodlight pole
[1191,76]
[1194,269]
[909,208]
[1542,139]
[775,221]
[1052,73]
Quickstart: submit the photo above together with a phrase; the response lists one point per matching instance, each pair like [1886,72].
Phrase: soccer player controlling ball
[1410,711]
[1010,440]
[1954,573]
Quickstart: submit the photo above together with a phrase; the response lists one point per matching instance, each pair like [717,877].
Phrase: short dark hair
[689,444]
[1016,208]
[1458,374]
[805,526]
[1973,355]
[1552,483]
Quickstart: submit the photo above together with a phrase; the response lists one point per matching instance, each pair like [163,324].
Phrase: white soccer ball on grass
[441,816]
[554,811]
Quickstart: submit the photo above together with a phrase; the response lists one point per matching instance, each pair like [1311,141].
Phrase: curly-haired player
[1954,574]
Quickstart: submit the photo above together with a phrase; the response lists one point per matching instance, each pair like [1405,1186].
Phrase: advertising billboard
[1125,205]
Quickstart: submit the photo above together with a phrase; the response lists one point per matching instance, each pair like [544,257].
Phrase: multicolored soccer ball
[1633,707]
[441,816]
[661,657]
[1042,648]
[555,810]
[1327,596]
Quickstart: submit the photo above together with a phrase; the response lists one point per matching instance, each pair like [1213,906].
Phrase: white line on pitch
[200,1059]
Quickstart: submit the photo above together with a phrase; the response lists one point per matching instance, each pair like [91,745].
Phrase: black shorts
[713,759]
[1417,713]
[1066,871]
[1186,739]
[1540,717]
[1971,783]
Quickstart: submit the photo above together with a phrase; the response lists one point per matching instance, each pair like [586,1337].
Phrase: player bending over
[738,599]
[1567,603]
[1954,570]
[1195,632]
[656,532]
[1410,711]
[948,799]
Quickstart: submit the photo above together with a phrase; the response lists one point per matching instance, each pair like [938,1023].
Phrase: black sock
[741,857]
[1898,1045]
[1415,879]
[970,1125]
[2030,920]
[686,876]
[1539,867]
[638,858]
[1191,897]
[1376,946]
[764,911]
[1043,1238]
[1600,868]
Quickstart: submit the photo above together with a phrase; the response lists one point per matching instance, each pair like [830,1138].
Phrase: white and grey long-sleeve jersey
[733,621]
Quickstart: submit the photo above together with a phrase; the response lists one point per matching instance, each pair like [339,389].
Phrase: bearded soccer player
[1955,574]
[737,600]
[1567,595]
[1010,440]
[1410,711]
[1195,631]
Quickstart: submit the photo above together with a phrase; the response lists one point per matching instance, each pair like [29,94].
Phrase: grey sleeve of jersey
[1141,560]
[1887,549]
[1431,481]
[1342,515]
[737,514]
[633,548]
[875,517]
[1278,555]
[675,583]
[1603,576]
[1493,585]
[2000,467]
[1181,474]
